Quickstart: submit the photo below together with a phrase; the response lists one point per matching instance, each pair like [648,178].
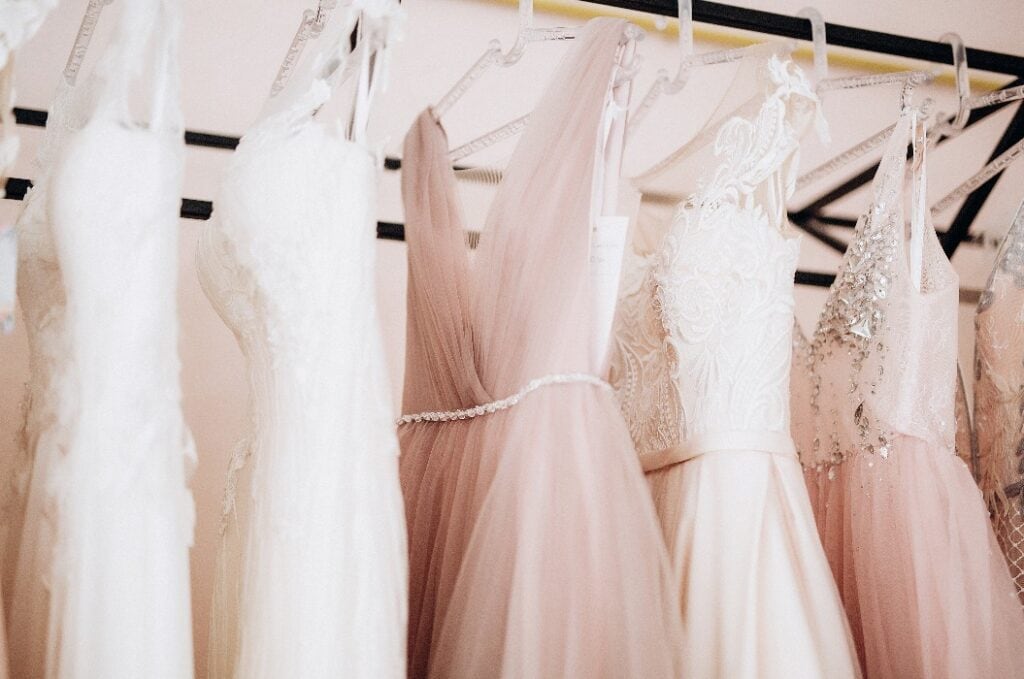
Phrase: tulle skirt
[925,585]
[534,548]
[757,597]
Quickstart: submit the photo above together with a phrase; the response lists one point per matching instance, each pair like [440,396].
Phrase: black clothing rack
[810,217]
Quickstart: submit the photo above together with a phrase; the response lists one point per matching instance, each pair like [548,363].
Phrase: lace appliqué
[641,369]
[705,322]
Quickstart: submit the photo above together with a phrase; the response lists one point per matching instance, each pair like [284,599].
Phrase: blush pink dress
[534,549]
[923,581]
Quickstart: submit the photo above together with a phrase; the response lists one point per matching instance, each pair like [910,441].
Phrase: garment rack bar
[759,21]
[17,188]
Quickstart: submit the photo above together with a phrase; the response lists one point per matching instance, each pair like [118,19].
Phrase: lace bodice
[884,353]
[704,326]
[311,570]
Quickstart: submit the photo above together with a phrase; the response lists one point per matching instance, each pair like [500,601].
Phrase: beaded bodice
[883,356]
[705,319]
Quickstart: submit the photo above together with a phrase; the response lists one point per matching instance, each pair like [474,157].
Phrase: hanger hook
[522,36]
[685,15]
[818,41]
[963,81]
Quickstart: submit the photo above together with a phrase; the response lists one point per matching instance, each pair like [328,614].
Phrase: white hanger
[909,79]
[495,57]
[82,39]
[688,60]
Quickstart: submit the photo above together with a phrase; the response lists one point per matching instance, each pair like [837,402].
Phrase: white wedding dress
[102,585]
[311,578]
[703,349]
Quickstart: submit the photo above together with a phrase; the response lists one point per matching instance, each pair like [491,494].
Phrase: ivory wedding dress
[924,584]
[999,397]
[311,578]
[534,549]
[702,368]
[102,583]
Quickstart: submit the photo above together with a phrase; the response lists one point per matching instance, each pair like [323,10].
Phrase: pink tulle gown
[925,586]
[534,549]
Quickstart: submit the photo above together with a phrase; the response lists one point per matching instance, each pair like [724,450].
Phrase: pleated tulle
[922,577]
[534,549]
[544,560]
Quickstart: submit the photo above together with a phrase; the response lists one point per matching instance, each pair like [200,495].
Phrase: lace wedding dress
[102,583]
[924,584]
[999,397]
[311,575]
[534,549]
[702,367]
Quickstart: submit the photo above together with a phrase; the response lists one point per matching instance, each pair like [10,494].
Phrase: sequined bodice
[883,357]
[705,321]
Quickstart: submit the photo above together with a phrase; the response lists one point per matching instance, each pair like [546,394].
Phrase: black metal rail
[810,216]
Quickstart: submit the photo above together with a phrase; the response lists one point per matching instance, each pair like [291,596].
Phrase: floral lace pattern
[704,325]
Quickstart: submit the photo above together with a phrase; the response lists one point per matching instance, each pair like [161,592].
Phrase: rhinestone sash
[505,403]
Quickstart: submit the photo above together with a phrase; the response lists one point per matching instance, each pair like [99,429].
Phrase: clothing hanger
[82,39]
[495,57]
[310,26]
[979,178]
[909,79]
[688,61]
[968,103]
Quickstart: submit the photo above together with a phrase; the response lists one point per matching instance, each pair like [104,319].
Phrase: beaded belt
[771,442]
[505,403]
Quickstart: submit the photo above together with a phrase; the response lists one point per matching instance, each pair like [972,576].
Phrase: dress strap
[919,200]
[146,34]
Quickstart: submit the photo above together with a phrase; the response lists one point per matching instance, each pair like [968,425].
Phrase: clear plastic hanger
[310,26]
[981,177]
[909,80]
[688,61]
[495,57]
[967,103]
[822,83]
[82,39]
[963,89]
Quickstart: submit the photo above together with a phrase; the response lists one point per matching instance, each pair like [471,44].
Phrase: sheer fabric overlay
[525,525]
[703,341]
[925,587]
[311,574]
[101,584]
[999,397]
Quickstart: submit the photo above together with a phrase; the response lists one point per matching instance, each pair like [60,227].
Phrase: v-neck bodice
[523,297]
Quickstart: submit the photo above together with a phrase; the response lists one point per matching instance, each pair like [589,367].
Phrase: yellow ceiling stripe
[837,56]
